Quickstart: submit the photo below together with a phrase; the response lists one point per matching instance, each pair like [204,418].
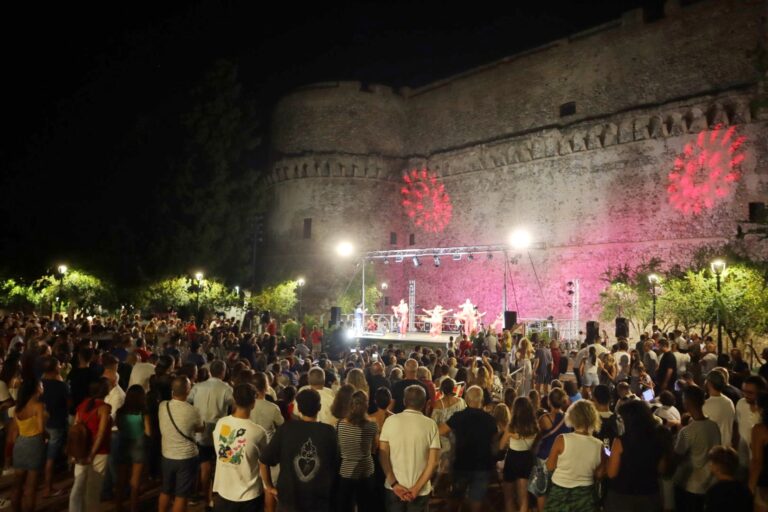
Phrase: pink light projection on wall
[425,201]
[706,172]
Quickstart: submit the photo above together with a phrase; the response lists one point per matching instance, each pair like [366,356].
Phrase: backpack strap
[554,428]
[170,416]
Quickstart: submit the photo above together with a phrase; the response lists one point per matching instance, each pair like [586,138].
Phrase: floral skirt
[576,499]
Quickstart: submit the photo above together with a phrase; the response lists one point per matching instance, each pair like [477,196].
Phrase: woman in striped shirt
[357,439]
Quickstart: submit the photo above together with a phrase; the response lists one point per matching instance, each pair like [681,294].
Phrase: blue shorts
[56,439]
[473,484]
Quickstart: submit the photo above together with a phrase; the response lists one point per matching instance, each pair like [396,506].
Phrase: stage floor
[410,339]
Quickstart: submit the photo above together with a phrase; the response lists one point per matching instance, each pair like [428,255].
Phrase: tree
[686,302]
[279,299]
[16,295]
[743,303]
[75,290]
[182,292]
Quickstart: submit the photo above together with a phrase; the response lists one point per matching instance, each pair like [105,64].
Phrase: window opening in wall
[412,239]
[307,229]
[386,301]
[568,109]
[393,238]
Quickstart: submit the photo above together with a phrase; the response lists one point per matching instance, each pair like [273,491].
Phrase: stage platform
[409,340]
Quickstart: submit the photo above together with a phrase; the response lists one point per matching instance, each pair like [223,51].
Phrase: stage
[410,339]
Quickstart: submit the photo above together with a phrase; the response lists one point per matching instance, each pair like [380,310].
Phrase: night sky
[79,78]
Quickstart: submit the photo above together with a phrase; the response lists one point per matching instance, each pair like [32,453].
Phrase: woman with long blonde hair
[356,379]
[525,378]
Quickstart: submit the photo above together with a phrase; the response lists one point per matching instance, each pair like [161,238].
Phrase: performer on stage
[466,313]
[401,312]
[435,319]
[478,325]
[359,312]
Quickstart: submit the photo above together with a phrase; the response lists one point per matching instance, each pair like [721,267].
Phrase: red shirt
[143,354]
[303,333]
[91,418]
[272,328]
[317,337]
[555,363]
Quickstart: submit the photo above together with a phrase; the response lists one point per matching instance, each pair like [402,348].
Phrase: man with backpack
[179,421]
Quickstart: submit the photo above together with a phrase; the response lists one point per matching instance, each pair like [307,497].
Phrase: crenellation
[592,186]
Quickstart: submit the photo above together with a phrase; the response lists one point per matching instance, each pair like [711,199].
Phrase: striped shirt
[355,444]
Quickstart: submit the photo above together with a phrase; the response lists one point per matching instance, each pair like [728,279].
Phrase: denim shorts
[472,483]
[56,439]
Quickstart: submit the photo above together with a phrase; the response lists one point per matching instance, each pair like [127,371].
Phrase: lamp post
[653,279]
[63,269]
[718,268]
[384,287]
[300,283]
[198,288]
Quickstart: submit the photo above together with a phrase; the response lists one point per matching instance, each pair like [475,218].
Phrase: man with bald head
[475,432]
[410,368]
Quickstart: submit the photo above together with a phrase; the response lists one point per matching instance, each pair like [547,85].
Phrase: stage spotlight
[437,261]
[490,256]
[471,257]
[386,261]
[571,292]
[416,261]
[344,249]
[570,283]
[520,239]
[398,259]
[456,257]
[569,305]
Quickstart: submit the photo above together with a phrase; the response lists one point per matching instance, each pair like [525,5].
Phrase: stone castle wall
[591,188]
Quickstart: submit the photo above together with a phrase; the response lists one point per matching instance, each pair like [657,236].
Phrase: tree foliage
[182,292]
[352,295]
[279,299]
[689,300]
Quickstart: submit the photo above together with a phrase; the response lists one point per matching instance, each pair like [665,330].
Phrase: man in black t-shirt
[307,453]
[80,378]
[375,380]
[667,373]
[475,432]
[409,379]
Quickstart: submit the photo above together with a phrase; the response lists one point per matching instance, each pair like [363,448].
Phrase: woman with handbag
[520,440]
[90,471]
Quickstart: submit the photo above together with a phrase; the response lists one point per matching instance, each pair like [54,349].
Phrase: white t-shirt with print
[238,444]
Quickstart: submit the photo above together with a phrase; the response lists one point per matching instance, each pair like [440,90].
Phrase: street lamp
[63,269]
[520,239]
[718,268]
[345,249]
[384,286]
[300,282]
[653,279]
[199,276]
[198,288]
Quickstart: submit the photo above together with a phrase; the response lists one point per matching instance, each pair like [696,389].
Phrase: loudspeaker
[622,327]
[335,316]
[757,212]
[593,331]
[510,319]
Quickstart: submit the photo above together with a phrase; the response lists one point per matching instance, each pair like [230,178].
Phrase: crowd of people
[241,421]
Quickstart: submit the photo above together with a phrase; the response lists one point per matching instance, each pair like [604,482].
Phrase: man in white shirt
[239,443]
[409,447]
[747,416]
[492,341]
[140,374]
[212,399]
[316,380]
[115,399]
[709,360]
[179,421]
[719,407]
